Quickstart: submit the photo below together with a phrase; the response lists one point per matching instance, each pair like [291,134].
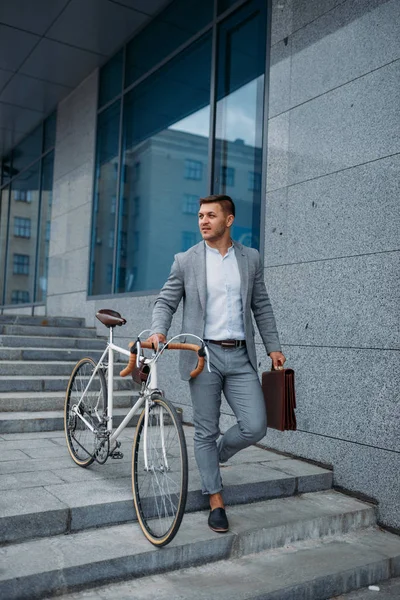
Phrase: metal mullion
[170,56]
[7,242]
[118,195]
[264,153]
[231,10]
[213,96]
[110,102]
[38,232]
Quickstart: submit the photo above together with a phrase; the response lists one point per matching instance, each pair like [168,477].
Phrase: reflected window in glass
[168,138]
[193,169]
[22,227]
[227,176]
[188,239]
[44,227]
[19,297]
[21,264]
[190,204]
[105,189]
[22,251]
[254,181]
[239,115]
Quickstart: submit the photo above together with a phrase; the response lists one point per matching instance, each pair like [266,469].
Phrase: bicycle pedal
[117,455]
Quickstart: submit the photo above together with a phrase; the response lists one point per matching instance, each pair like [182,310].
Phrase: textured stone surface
[301,570]
[321,50]
[351,401]
[290,15]
[279,78]
[344,302]
[351,125]
[358,468]
[278,152]
[355,211]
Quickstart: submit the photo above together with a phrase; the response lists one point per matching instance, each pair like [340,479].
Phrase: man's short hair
[225,201]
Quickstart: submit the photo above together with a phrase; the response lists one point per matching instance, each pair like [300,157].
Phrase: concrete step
[48,401]
[45,368]
[41,341]
[40,330]
[272,546]
[43,492]
[41,383]
[48,420]
[46,354]
[304,570]
[42,321]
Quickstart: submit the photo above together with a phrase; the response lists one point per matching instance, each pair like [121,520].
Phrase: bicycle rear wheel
[81,441]
[160,487]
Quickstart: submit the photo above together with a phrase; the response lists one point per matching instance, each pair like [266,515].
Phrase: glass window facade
[188,123]
[25,214]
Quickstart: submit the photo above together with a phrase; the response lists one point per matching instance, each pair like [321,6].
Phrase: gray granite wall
[332,260]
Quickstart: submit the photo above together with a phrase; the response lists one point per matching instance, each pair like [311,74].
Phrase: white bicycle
[159,457]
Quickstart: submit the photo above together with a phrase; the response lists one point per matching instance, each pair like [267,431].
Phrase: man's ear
[230,220]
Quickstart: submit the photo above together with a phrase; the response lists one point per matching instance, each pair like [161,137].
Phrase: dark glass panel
[104,199]
[27,151]
[4,205]
[44,228]
[111,79]
[223,5]
[239,116]
[21,254]
[49,133]
[6,169]
[166,125]
[172,28]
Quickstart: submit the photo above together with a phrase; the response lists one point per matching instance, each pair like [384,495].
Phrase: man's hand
[278,359]
[156,338]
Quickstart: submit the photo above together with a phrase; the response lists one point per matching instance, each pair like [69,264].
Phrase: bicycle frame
[110,349]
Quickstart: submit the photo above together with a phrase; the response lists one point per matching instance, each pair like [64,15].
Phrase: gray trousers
[233,374]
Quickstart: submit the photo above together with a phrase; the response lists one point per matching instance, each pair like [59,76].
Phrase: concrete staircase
[72,533]
[37,355]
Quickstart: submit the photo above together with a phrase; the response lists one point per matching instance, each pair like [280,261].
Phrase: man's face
[213,222]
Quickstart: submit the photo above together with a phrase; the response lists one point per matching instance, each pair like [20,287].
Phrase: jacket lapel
[199,266]
[241,258]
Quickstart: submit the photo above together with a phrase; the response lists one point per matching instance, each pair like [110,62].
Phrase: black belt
[228,343]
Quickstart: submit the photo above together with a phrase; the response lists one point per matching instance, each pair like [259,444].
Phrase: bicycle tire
[160,493]
[81,441]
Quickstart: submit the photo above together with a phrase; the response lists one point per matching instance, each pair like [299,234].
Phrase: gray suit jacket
[187,280]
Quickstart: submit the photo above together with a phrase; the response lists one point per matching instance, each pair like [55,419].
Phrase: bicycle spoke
[160,492]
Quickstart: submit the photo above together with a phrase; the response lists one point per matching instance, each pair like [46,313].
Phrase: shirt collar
[216,251]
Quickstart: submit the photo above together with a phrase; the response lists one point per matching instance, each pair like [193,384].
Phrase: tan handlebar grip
[130,366]
[199,368]
[150,346]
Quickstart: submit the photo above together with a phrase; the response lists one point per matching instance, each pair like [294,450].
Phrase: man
[220,282]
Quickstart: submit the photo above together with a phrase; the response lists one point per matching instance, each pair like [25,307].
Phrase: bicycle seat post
[110,382]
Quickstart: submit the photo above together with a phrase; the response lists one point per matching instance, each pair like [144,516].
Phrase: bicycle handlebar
[150,346]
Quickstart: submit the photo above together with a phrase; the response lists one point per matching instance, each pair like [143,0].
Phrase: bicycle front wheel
[81,440]
[159,472]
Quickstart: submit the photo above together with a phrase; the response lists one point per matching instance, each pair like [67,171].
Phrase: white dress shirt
[224,310]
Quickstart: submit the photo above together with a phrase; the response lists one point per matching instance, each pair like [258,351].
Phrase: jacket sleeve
[263,314]
[168,300]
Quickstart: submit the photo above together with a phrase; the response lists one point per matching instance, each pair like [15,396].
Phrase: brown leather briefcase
[280,399]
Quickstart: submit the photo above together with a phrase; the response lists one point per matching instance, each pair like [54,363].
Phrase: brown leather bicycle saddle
[110,318]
